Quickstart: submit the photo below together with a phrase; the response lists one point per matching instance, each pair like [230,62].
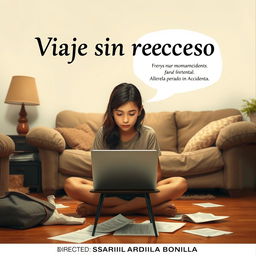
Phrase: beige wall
[85,85]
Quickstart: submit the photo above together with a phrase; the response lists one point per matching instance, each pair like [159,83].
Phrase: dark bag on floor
[21,211]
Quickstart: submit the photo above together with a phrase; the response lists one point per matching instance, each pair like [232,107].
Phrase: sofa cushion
[75,163]
[190,122]
[78,162]
[68,118]
[191,163]
[207,136]
[80,137]
[165,127]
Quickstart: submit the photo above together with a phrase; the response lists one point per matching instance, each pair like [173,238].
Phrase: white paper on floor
[198,217]
[176,217]
[208,205]
[113,224]
[78,236]
[59,206]
[51,199]
[60,219]
[102,229]
[137,229]
[201,217]
[163,226]
[207,232]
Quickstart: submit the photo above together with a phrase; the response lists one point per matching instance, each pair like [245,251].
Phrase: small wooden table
[145,193]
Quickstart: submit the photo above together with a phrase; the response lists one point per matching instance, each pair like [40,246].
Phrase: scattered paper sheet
[112,224]
[102,229]
[163,226]
[78,236]
[176,217]
[60,219]
[51,199]
[201,217]
[59,206]
[207,232]
[207,205]
[138,229]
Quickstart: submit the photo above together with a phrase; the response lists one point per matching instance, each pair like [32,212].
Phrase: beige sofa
[228,163]
[7,147]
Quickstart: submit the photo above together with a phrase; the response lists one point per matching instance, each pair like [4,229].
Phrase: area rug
[197,197]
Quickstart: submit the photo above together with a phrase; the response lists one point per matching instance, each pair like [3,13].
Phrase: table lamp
[22,91]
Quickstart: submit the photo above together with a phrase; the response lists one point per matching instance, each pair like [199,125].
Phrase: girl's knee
[182,183]
[69,184]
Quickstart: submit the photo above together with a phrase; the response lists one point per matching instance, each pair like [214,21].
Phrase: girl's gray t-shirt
[146,140]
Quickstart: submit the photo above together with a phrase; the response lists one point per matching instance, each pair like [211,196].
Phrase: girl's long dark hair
[120,95]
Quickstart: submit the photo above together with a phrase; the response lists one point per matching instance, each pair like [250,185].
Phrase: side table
[25,161]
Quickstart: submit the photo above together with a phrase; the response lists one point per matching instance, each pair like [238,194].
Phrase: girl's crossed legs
[169,189]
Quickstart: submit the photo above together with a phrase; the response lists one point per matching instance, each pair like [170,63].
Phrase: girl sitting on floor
[123,129]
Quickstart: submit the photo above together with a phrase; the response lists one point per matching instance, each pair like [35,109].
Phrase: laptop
[117,170]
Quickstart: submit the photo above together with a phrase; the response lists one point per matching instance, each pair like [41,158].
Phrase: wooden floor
[242,222]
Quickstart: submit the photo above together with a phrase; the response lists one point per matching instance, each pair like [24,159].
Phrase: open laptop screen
[124,169]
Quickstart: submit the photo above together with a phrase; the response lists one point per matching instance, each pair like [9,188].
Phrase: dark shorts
[127,197]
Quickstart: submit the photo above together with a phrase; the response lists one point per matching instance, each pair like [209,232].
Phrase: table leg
[150,212]
[101,199]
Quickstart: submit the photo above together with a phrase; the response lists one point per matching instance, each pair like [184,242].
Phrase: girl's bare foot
[85,209]
[164,209]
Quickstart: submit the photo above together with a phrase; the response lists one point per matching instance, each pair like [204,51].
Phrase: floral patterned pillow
[207,136]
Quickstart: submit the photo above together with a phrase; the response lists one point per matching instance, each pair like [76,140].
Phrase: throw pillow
[207,135]
[80,137]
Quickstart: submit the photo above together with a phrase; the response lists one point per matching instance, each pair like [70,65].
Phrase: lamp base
[22,127]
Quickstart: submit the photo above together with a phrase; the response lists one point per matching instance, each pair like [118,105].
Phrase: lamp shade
[22,90]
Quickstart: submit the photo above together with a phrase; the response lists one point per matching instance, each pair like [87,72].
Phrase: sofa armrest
[236,134]
[46,138]
[50,171]
[7,145]
[240,167]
